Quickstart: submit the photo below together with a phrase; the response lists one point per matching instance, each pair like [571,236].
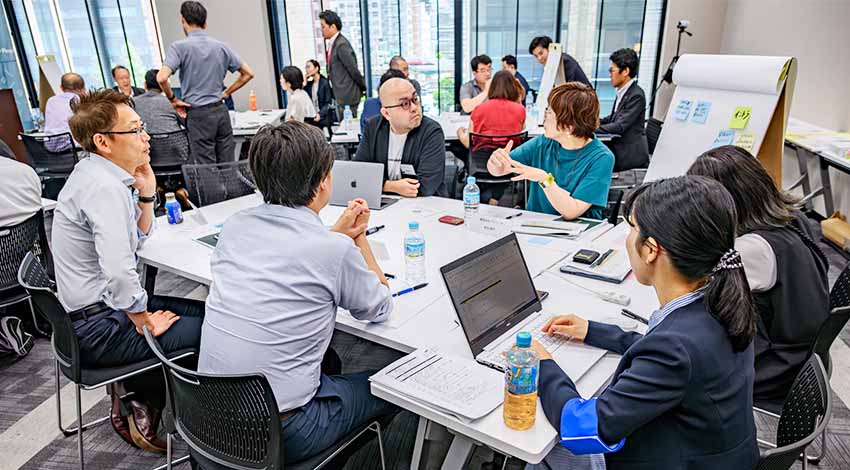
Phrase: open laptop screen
[491,290]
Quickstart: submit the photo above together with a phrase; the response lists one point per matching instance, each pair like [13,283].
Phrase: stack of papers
[460,387]
[612,266]
[560,228]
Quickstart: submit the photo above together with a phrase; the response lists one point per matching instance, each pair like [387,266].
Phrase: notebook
[612,266]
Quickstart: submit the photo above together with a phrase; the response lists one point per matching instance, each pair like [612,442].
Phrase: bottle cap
[169,195]
[470,180]
[413,225]
[523,339]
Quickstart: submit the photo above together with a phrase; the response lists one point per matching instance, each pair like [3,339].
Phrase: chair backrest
[169,149]
[482,146]
[228,420]
[210,183]
[839,296]
[450,178]
[805,414]
[615,200]
[40,287]
[827,333]
[653,131]
[15,242]
[53,155]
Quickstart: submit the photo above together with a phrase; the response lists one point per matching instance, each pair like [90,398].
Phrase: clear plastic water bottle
[347,119]
[173,211]
[521,375]
[414,255]
[471,201]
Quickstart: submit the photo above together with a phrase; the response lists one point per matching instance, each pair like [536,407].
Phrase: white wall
[243,25]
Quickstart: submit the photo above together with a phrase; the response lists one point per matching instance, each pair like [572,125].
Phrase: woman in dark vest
[786,270]
[681,397]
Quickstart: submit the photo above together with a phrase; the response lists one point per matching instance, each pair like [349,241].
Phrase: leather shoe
[143,423]
[119,421]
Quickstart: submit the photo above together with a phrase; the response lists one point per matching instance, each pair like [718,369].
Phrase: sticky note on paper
[540,240]
[740,117]
[724,137]
[701,112]
[683,110]
[746,140]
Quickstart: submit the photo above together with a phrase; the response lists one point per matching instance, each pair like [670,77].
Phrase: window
[384,25]
[534,18]
[10,71]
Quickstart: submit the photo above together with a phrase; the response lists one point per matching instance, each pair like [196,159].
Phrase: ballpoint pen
[410,289]
[374,230]
[518,214]
[634,316]
[389,276]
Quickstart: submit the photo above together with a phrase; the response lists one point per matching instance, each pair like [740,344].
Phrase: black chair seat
[13,295]
[106,374]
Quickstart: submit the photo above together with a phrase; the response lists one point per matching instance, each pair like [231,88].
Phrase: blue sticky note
[683,110]
[701,112]
[540,240]
[724,137]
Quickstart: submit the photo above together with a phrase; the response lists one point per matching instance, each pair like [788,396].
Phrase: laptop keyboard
[551,343]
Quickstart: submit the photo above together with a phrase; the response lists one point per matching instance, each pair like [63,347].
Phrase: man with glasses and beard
[409,145]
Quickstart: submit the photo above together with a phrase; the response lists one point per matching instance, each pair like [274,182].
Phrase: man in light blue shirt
[203,62]
[103,216]
[57,111]
[279,276]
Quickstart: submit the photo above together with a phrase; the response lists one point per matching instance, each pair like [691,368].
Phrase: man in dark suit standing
[539,48]
[627,116]
[346,80]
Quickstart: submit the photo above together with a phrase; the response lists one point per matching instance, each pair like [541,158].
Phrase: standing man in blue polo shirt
[203,63]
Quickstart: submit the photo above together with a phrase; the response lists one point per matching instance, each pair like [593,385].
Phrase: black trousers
[111,340]
[210,134]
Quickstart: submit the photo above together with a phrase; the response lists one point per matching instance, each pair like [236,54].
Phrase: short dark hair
[292,75]
[289,161]
[539,41]
[626,58]
[510,60]
[94,113]
[478,60]
[331,18]
[194,13]
[575,105]
[117,68]
[390,73]
[759,203]
[315,63]
[504,86]
[150,80]
[72,82]
[395,60]
[692,218]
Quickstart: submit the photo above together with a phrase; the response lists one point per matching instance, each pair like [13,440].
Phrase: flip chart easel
[553,75]
[49,79]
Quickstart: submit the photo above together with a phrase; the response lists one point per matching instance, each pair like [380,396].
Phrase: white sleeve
[759,261]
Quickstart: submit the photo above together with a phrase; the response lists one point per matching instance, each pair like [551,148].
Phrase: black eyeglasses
[138,131]
[405,104]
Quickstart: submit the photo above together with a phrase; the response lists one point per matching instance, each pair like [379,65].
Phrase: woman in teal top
[571,168]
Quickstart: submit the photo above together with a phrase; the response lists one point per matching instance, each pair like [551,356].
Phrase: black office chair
[653,131]
[66,349]
[450,177]
[615,201]
[16,241]
[480,148]
[232,421]
[169,152]
[52,156]
[209,183]
[805,415]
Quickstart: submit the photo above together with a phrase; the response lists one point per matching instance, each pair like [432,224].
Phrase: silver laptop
[494,297]
[364,180]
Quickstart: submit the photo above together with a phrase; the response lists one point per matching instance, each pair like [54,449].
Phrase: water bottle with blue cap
[471,201]
[521,375]
[414,255]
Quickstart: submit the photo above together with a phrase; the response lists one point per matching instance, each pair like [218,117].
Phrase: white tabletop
[832,145]
[426,318]
[248,122]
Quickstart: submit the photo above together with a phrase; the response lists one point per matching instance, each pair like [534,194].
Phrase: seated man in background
[299,105]
[403,136]
[58,110]
[123,82]
[372,106]
[571,168]
[103,216]
[272,310]
[154,108]
[474,92]
[539,48]
[20,191]
[398,63]
[509,63]
[627,116]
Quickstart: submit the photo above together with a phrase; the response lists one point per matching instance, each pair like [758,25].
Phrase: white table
[426,318]
[246,124]
[831,148]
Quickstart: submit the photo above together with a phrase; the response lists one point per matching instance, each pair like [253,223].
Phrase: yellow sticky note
[745,140]
[740,117]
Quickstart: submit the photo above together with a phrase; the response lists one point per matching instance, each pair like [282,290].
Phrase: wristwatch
[149,200]
[550,179]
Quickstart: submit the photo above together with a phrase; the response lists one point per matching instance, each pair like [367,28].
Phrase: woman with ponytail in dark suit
[681,397]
